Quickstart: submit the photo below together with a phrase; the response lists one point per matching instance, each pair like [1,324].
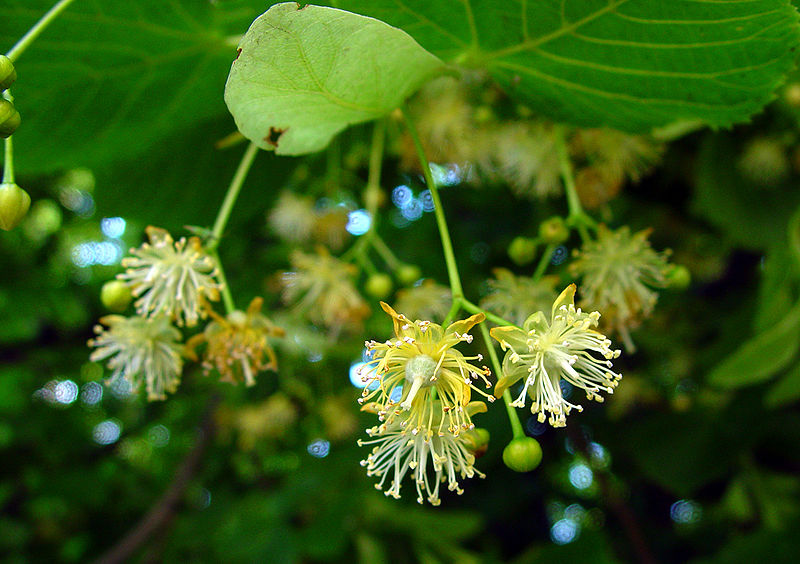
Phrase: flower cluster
[618,272]
[422,399]
[431,457]
[237,346]
[322,286]
[543,352]
[171,278]
[514,297]
[140,349]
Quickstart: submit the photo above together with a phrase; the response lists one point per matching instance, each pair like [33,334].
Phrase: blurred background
[693,459]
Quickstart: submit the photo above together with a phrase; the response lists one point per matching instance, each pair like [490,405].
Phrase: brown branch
[615,502]
[164,508]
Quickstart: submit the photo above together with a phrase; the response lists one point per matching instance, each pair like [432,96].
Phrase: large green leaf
[629,64]
[108,80]
[786,390]
[304,74]
[761,357]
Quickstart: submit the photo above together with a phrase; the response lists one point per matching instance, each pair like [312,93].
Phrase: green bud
[553,230]
[374,197]
[522,250]
[408,274]
[116,295]
[678,277]
[9,118]
[483,114]
[477,441]
[7,73]
[14,204]
[379,285]
[522,454]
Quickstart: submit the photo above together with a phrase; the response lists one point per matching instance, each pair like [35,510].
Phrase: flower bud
[477,441]
[553,230]
[522,454]
[522,250]
[116,295]
[7,73]
[14,204]
[9,118]
[379,285]
[678,277]
[408,274]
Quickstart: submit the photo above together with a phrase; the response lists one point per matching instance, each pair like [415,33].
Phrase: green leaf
[784,391]
[628,64]
[754,218]
[763,356]
[107,80]
[304,74]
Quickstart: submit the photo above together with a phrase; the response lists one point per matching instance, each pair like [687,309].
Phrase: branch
[163,510]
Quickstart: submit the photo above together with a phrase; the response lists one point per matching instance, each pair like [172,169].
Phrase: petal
[566,298]
[464,325]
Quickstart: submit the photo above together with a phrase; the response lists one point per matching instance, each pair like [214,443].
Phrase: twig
[163,510]
[623,512]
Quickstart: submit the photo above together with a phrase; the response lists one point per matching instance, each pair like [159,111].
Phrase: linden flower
[618,272]
[514,297]
[293,217]
[420,360]
[140,349]
[237,345]
[543,352]
[173,278]
[432,457]
[527,158]
[428,300]
[322,285]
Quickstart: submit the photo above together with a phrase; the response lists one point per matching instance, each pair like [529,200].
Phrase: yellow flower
[432,456]
[237,345]
[422,362]
[543,352]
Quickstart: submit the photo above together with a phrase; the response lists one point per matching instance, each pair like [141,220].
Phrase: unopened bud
[678,277]
[553,230]
[116,295]
[9,118]
[408,274]
[7,73]
[522,250]
[522,454]
[379,285]
[477,441]
[14,204]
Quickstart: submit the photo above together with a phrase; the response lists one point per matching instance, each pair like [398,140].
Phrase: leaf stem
[224,213]
[34,32]
[441,222]
[577,218]
[513,416]
[385,252]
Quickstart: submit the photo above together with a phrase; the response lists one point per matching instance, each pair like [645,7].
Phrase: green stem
[366,262]
[227,298]
[37,29]
[441,222]
[386,253]
[496,319]
[577,218]
[8,163]
[544,261]
[454,309]
[513,416]
[794,236]
[230,197]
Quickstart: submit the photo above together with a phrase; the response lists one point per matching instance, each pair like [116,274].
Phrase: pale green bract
[305,74]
